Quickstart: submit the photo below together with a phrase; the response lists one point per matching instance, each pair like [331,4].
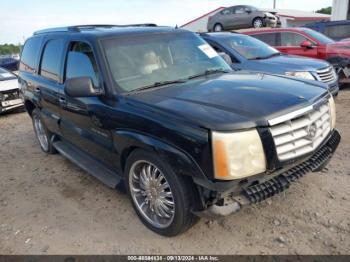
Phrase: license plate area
[11,102]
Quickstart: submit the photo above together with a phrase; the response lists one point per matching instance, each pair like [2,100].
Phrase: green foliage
[9,49]
[325,10]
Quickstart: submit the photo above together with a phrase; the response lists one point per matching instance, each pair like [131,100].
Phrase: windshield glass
[318,36]
[144,60]
[250,47]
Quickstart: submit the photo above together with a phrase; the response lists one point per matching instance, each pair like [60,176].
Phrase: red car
[307,42]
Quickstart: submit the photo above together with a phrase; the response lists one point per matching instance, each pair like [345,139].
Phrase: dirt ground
[50,206]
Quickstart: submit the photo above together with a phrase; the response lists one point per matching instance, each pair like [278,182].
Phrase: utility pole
[274,4]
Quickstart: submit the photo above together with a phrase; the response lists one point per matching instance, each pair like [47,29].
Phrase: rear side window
[52,59]
[30,53]
[269,38]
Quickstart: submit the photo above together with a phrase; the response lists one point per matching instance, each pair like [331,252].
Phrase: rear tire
[218,28]
[161,199]
[42,133]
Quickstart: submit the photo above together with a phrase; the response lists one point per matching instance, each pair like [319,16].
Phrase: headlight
[306,75]
[333,111]
[237,155]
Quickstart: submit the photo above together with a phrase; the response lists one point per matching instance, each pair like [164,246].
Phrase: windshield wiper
[158,84]
[265,57]
[209,71]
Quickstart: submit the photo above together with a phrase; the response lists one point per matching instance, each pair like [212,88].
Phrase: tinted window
[291,39]
[250,48]
[269,38]
[75,67]
[239,10]
[338,31]
[226,11]
[30,54]
[52,59]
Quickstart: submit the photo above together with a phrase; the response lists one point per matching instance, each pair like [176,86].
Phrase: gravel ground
[50,206]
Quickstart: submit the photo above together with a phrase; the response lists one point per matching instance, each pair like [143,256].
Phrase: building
[294,18]
[340,10]
[200,24]
[289,18]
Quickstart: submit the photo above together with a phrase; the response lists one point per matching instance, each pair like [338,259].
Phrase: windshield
[318,36]
[146,60]
[250,47]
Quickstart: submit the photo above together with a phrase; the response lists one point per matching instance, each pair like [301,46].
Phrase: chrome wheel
[40,133]
[257,23]
[151,193]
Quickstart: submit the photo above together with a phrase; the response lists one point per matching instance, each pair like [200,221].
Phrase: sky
[20,18]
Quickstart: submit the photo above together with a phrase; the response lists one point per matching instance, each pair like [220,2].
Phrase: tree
[7,49]
[325,10]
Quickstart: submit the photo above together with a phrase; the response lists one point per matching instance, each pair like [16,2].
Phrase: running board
[87,163]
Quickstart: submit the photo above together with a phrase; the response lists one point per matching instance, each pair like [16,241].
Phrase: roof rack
[78,28]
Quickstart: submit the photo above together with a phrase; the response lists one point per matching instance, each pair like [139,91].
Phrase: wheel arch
[183,164]
[29,106]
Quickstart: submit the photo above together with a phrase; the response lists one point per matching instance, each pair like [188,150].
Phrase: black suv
[157,110]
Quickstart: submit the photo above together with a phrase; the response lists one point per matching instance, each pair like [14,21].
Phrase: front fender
[125,141]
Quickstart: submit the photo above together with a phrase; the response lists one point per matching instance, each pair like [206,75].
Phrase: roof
[206,14]
[299,15]
[108,30]
[281,29]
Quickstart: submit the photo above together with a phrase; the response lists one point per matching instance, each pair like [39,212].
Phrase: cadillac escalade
[157,110]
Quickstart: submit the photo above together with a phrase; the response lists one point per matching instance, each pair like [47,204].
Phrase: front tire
[258,22]
[161,199]
[42,133]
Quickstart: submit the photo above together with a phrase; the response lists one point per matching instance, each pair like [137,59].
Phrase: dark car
[337,30]
[249,53]
[240,16]
[157,110]
[9,63]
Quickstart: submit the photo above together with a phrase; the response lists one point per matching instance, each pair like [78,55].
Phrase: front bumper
[10,100]
[6,106]
[259,192]
[270,22]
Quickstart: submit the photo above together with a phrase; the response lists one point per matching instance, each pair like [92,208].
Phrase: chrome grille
[298,136]
[326,75]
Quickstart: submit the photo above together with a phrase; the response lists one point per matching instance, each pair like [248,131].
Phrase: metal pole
[274,4]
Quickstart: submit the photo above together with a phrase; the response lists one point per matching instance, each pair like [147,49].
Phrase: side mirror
[80,87]
[226,57]
[248,11]
[306,44]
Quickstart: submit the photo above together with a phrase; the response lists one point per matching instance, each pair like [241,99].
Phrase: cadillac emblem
[311,131]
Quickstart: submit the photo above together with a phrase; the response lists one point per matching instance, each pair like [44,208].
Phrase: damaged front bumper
[259,192]
[10,100]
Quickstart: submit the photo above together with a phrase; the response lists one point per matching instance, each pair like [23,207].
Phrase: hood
[284,63]
[6,85]
[230,101]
